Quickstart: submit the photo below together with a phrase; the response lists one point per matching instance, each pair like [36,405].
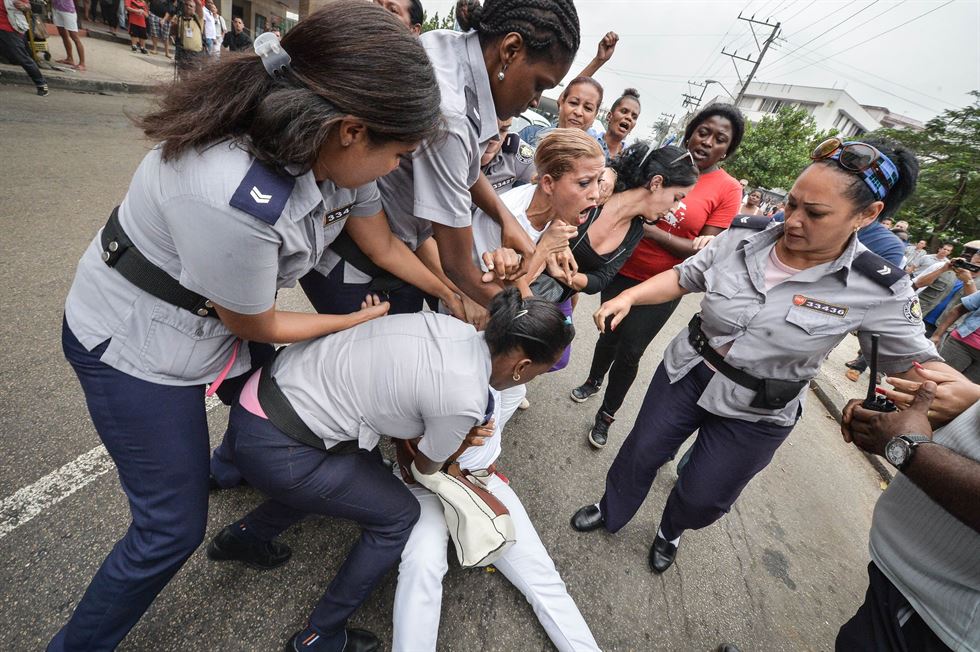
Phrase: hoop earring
[516,376]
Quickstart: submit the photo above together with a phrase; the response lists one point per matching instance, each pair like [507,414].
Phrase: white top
[486,232]
[403,376]
[209,28]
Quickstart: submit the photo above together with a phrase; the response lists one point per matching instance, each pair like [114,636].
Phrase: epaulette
[511,144]
[757,222]
[263,193]
[876,268]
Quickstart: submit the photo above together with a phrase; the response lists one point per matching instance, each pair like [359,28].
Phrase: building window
[771,105]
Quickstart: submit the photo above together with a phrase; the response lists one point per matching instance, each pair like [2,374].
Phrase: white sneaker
[525,404]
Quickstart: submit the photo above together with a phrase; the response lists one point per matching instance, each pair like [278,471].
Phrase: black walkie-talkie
[874,401]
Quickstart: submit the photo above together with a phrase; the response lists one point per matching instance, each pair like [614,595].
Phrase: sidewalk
[111,66]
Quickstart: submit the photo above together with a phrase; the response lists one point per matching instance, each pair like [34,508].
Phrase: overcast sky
[918,69]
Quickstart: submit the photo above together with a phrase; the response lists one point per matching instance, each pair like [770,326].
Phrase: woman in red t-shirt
[712,135]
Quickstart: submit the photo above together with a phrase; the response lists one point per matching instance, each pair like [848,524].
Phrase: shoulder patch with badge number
[263,193]
[525,153]
[757,222]
[913,310]
[820,306]
[337,214]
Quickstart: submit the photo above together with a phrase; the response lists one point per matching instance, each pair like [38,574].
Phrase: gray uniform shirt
[434,183]
[402,376]
[226,228]
[787,332]
[930,555]
[513,165]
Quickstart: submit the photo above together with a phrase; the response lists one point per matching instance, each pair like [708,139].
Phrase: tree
[775,149]
[946,203]
[434,22]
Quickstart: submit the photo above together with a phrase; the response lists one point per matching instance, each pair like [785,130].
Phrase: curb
[834,402]
[17,76]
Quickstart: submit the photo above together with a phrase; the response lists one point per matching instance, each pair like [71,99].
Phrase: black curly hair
[634,168]
[548,27]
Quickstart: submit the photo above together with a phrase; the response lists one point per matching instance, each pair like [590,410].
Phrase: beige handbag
[479,524]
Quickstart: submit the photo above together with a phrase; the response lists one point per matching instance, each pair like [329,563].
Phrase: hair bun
[631,92]
[474,12]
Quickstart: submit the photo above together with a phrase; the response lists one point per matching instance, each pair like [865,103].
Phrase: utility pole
[758,60]
[690,100]
[662,125]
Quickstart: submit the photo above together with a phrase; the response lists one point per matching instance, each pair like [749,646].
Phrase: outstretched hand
[870,430]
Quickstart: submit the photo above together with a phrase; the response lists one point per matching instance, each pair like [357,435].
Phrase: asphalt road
[781,572]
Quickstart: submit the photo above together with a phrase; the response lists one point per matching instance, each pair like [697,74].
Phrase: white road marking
[32,500]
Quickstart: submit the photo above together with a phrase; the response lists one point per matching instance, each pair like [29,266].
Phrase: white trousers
[527,565]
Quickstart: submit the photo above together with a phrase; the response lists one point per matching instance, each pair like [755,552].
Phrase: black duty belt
[382,280]
[283,416]
[119,252]
[770,393]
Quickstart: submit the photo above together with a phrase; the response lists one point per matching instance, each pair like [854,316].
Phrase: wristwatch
[899,450]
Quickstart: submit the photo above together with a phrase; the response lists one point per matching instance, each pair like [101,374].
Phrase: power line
[875,17]
[800,11]
[828,30]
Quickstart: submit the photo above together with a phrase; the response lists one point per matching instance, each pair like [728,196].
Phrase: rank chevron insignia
[259,197]
[885,271]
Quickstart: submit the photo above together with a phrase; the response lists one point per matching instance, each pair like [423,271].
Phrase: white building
[831,108]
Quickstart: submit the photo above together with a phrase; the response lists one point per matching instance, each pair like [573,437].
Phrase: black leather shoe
[587,519]
[585,391]
[599,434]
[358,640]
[662,554]
[261,555]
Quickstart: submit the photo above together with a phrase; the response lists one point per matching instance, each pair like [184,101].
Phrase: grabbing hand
[954,393]
[555,238]
[870,430]
[514,236]
[612,312]
[371,308]
[478,434]
[562,266]
[475,314]
[607,46]
[702,241]
[963,274]
[502,264]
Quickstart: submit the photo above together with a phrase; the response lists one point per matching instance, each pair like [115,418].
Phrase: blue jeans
[725,457]
[301,480]
[158,437]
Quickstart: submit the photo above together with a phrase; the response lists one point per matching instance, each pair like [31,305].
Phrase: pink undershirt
[776,272]
[249,397]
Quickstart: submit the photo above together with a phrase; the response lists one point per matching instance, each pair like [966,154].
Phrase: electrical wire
[828,30]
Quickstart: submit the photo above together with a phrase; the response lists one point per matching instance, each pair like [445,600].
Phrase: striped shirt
[930,555]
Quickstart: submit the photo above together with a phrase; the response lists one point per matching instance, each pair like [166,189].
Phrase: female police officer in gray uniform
[516,50]
[307,428]
[256,154]
[777,299]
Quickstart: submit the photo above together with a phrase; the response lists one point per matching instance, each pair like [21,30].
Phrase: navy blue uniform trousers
[158,437]
[330,295]
[301,480]
[726,455]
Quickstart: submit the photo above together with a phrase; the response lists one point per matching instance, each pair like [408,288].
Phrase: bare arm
[675,246]
[373,236]
[950,479]
[946,322]
[455,252]
[281,327]
[662,288]
[607,47]
[928,279]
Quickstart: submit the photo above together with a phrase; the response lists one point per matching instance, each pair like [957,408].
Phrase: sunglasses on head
[879,172]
